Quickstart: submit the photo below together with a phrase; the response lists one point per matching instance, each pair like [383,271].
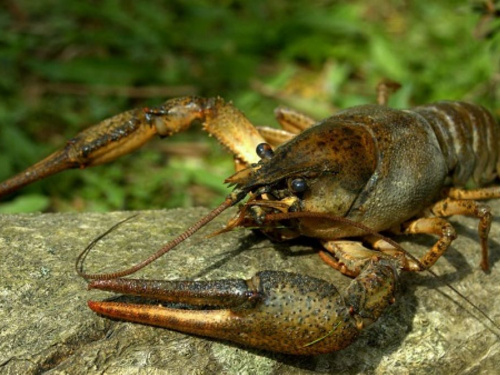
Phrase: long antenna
[231,200]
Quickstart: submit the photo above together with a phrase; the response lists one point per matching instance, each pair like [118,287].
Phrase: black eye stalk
[264,151]
[298,185]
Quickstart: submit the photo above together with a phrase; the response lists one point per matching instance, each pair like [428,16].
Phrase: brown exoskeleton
[364,170]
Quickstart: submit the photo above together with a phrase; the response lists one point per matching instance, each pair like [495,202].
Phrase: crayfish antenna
[231,200]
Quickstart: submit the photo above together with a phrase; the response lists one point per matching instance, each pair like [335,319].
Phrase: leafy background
[67,65]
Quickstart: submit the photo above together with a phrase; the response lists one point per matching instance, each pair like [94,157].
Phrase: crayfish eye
[298,185]
[264,151]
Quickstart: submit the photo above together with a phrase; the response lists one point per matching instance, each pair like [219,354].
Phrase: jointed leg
[474,194]
[348,257]
[219,118]
[430,225]
[275,136]
[385,89]
[293,121]
[457,204]
[449,207]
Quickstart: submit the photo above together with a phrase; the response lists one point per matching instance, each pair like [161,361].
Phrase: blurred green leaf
[317,56]
[25,203]
[388,59]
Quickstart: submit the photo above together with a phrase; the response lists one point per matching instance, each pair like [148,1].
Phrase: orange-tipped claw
[276,311]
[98,144]
[124,133]
[54,163]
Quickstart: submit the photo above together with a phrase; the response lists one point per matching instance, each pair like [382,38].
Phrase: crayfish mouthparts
[274,310]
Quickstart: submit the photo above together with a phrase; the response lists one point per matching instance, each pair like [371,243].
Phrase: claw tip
[93,305]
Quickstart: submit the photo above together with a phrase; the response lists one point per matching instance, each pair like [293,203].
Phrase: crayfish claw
[276,311]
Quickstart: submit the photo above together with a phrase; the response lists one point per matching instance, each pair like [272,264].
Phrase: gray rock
[47,327]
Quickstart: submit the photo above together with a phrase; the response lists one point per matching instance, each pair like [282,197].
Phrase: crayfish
[342,180]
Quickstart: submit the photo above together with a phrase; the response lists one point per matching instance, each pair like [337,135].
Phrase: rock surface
[46,326]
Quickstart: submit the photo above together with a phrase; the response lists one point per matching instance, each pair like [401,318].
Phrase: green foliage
[67,65]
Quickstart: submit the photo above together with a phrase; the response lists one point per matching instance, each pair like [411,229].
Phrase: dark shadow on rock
[247,243]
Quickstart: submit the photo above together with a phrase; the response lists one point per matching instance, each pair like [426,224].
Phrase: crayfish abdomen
[469,137]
